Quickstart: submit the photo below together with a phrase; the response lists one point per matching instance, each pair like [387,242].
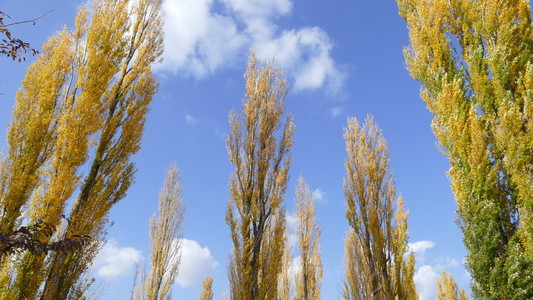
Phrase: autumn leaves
[474,61]
[82,103]
[376,244]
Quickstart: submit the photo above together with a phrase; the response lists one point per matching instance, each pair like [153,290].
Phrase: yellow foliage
[87,93]
[166,233]
[207,292]
[261,161]
[308,235]
[447,288]
[474,60]
[375,246]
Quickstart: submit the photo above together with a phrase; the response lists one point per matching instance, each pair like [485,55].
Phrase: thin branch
[28,21]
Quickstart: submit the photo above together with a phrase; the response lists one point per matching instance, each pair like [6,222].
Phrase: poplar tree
[165,250]
[377,241]
[83,103]
[207,292]
[309,277]
[447,288]
[261,159]
[285,278]
[475,62]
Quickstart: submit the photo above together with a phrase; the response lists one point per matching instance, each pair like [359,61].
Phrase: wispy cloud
[199,40]
[336,111]
[196,262]
[219,133]
[420,247]
[319,196]
[114,261]
[191,120]
[291,221]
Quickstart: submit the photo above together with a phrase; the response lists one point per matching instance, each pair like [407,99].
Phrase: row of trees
[377,263]
[83,104]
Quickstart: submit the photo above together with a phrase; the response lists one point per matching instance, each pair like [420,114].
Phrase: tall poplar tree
[377,241]
[475,62]
[262,160]
[82,103]
[309,277]
[166,231]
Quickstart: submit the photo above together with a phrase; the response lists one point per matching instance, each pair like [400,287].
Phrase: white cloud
[426,275]
[336,111]
[319,196]
[305,54]
[426,282]
[191,120]
[295,266]
[420,247]
[446,262]
[196,262]
[260,8]
[291,229]
[291,220]
[199,41]
[114,261]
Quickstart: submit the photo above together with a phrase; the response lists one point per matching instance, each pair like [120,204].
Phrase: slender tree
[377,242]
[207,292]
[82,103]
[447,288]
[285,278]
[261,161]
[308,235]
[475,62]
[166,233]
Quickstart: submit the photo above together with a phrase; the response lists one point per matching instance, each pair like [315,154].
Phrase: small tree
[308,235]
[166,233]
[207,285]
[447,288]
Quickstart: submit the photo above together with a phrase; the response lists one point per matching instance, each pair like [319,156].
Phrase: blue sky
[341,58]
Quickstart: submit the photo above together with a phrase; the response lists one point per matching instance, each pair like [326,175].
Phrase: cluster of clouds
[197,262]
[205,36]
[114,261]
[426,275]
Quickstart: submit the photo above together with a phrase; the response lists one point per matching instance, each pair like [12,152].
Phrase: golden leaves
[447,288]
[473,59]
[261,158]
[308,234]
[166,233]
[90,84]
[207,292]
[374,237]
